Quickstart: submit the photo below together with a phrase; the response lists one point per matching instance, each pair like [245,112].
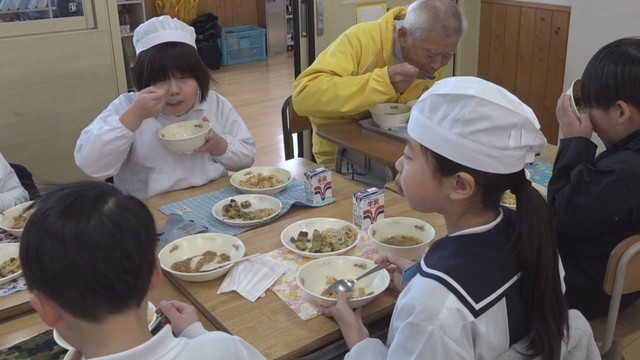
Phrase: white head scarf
[162,29]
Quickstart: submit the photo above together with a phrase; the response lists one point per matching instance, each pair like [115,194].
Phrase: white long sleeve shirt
[11,192]
[194,343]
[141,164]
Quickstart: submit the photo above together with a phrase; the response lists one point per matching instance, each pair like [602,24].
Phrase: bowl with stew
[185,136]
[404,237]
[390,115]
[15,218]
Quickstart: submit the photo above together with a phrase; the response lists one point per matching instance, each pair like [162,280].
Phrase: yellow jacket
[349,77]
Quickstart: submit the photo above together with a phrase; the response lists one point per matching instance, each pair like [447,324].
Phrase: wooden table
[268,323]
[382,148]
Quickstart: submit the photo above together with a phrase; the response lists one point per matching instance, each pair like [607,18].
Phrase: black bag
[208,31]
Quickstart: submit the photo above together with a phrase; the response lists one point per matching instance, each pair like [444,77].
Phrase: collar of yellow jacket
[387,27]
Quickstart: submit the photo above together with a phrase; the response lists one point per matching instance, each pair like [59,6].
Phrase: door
[58,74]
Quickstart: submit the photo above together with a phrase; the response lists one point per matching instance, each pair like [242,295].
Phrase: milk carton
[317,185]
[368,207]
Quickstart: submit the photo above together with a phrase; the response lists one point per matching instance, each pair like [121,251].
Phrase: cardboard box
[368,207]
[317,185]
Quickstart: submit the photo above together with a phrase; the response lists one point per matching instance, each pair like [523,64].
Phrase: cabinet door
[30,17]
[55,84]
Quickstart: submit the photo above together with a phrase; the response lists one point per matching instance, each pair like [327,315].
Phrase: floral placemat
[14,285]
[286,287]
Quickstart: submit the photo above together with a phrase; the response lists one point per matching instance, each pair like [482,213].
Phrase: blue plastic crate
[242,44]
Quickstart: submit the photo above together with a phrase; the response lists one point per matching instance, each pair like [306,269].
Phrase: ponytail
[535,249]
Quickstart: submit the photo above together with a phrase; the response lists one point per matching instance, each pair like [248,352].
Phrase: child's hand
[349,320]
[398,265]
[179,314]
[213,143]
[149,103]
[572,125]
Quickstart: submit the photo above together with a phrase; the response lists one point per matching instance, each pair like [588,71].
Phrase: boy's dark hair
[613,74]
[90,249]
[535,249]
[160,62]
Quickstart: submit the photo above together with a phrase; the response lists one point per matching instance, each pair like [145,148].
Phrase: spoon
[170,101]
[157,321]
[211,267]
[347,285]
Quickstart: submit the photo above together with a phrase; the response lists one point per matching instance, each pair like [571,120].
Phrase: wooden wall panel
[523,48]
[230,12]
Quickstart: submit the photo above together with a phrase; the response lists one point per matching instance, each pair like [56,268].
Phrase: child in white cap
[595,200]
[173,85]
[494,279]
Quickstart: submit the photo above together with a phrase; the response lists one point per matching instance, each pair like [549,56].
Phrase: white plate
[7,218]
[309,225]
[243,175]
[257,202]
[8,251]
[151,317]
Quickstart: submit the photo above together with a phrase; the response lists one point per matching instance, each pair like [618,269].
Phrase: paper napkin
[251,278]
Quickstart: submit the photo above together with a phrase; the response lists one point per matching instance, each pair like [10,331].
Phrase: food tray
[399,133]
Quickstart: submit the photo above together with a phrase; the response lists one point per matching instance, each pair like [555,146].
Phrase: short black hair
[89,248]
[613,74]
[160,62]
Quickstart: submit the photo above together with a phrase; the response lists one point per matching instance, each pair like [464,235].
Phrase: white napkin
[251,278]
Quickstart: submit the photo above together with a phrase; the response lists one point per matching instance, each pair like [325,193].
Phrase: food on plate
[327,240]
[261,181]
[358,292]
[205,258]
[236,211]
[508,198]
[21,220]
[401,240]
[10,267]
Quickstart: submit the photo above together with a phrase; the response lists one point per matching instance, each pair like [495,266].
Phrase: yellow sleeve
[344,79]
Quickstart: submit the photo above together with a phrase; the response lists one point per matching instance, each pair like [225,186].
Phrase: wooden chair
[622,277]
[293,124]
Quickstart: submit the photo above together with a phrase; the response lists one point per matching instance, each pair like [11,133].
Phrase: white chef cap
[162,29]
[477,124]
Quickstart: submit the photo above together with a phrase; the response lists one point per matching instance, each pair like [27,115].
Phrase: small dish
[291,233]
[256,203]
[8,251]
[261,180]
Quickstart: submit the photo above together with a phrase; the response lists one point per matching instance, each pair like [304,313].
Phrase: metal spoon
[347,285]
[157,321]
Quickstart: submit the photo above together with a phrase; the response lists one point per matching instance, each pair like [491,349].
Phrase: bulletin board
[370,12]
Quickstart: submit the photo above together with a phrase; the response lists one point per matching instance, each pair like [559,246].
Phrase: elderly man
[394,59]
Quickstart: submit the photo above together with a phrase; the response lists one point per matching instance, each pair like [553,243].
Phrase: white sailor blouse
[464,302]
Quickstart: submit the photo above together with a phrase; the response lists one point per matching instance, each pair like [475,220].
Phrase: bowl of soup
[185,136]
[404,237]
[390,115]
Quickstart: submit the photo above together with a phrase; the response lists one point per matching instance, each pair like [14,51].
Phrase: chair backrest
[631,281]
[292,123]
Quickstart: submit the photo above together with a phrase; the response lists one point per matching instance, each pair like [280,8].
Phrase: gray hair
[442,17]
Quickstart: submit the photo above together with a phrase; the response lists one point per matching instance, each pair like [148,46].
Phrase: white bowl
[246,181]
[257,201]
[185,136]
[320,224]
[385,228]
[576,97]
[314,276]
[8,251]
[7,218]
[151,317]
[196,245]
[390,115]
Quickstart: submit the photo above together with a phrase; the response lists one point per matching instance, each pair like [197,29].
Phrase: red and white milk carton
[317,185]
[368,207]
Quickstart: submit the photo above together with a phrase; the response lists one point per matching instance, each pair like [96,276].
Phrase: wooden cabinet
[131,13]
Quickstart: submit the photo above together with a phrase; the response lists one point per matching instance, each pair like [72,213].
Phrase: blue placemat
[540,173]
[198,209]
